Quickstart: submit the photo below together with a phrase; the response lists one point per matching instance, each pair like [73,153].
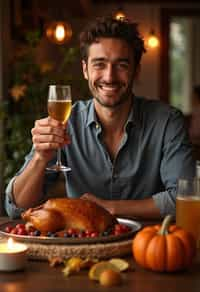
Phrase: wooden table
[38,276]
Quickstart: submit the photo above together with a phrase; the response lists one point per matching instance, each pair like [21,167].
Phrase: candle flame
[10,243]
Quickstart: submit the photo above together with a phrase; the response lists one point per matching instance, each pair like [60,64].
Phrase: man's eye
[99,65]
[123,65]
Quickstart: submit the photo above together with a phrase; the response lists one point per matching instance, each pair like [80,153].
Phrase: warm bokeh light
[60,32]
[153,41]
[120,15]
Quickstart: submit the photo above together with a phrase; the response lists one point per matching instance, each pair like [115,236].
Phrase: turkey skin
[62,213]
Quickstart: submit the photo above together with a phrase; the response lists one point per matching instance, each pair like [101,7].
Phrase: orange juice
[188,214]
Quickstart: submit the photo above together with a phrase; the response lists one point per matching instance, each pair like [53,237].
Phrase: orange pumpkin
[164,248]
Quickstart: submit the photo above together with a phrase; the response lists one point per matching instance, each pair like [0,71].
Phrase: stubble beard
[124,97]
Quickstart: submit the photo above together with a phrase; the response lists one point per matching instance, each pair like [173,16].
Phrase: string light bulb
[153,41]
[59,32]
[120,14]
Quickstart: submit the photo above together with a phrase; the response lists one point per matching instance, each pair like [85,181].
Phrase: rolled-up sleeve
[11,208]
[177,162]
[166,202]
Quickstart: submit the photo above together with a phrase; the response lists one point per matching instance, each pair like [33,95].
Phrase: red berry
[14,231]
[88,232]
[21,231]
[81,234]
[118,227]
[117,232]
[18,226]
[126,228]
[71,231]
[8,229]
[94,234]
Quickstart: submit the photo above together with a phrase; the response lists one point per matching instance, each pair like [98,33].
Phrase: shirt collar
[91,116]
[133,118]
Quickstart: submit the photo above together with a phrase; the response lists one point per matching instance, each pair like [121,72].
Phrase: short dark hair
[108,27]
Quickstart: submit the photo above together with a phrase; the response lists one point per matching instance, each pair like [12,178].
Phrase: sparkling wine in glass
[59,108]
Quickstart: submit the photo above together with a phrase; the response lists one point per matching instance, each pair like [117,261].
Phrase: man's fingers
[48,130]
[47,139]
[49,134]
[46,146]
[49,122]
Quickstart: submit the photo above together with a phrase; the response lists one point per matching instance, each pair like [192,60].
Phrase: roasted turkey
[63,213]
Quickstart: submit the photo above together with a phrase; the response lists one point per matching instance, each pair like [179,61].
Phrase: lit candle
[13,255]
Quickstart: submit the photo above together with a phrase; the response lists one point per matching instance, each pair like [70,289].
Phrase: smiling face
[110,71]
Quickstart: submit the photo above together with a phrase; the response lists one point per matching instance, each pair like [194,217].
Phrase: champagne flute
[59,108]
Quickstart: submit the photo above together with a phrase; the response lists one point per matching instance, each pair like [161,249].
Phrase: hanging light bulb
[153,41]
[120,14]
[59,32]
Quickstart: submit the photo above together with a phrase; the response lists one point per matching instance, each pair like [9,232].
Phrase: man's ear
[84,68]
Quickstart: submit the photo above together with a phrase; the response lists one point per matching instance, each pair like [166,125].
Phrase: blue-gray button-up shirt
[153,154]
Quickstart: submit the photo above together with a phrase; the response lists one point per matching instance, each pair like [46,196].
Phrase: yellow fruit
[120,264]
[96,270]
[110,278]
[73,265]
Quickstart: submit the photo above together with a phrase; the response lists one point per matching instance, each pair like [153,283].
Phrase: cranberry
[20,226]
[71,231]
[88,232]
[14,231]
[126,228]
[8,229]
[118,227]
[117,232]
[94,234]
[21,231]
[81,234]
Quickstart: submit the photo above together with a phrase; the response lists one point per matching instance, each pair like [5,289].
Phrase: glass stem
[58,163]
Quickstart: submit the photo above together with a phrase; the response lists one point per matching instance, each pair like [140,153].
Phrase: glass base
[58,168]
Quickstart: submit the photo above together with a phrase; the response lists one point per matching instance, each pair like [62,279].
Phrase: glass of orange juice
[188,206]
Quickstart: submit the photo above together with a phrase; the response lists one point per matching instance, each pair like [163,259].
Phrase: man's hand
[48,135]
[145,209]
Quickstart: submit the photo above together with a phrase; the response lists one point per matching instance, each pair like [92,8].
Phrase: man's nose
[109,73]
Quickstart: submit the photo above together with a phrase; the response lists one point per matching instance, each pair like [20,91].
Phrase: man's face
[110,71]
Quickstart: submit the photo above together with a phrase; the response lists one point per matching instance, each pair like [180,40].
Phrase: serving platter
[132,224]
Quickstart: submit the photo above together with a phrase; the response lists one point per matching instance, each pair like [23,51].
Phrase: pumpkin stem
[165,224]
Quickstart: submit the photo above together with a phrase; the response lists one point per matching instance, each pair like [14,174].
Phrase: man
[126,153]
